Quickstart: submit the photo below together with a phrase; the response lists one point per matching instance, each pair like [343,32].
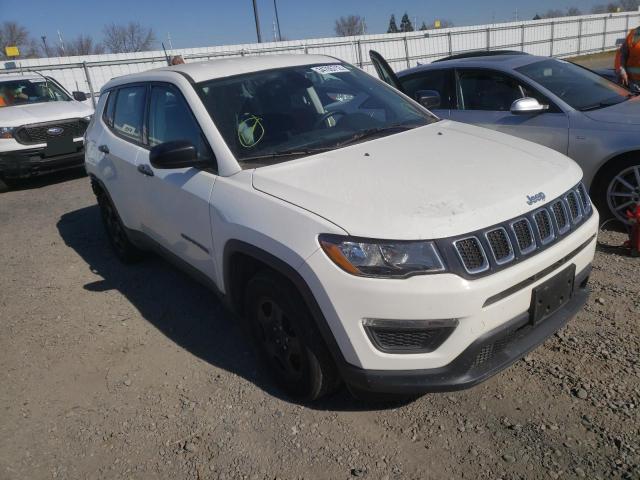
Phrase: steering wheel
[326,116]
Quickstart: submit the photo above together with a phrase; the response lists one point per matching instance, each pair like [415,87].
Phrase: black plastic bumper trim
[32,162]
[461,372]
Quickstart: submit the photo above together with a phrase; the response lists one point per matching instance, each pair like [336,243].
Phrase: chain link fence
[562,37]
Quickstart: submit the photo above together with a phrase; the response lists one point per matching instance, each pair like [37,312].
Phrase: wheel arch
[242,260]
[607,164]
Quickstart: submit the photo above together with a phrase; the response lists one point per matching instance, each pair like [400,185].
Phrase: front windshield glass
[22,92]
[580,88]
[276,115]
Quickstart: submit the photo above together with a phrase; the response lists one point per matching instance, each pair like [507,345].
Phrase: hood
[625,113]
[42,112]
[436,181]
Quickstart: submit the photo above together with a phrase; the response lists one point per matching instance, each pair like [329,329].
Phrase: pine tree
[424,26]
[393,28]
[405,24]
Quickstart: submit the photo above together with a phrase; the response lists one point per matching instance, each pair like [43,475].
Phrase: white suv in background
[41,127]
[361,238]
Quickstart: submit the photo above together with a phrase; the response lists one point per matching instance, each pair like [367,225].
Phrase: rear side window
[437,80]
[107,115]
[129,112]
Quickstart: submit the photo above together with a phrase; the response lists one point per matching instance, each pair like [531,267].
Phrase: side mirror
[174,154]
[428,98]
[527,105]
[79,96]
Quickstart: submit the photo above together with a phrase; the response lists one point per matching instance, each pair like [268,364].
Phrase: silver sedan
[545,100]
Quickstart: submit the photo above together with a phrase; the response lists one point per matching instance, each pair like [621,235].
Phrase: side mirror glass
[527,105]
[428,98]
[79,96]
[174,154]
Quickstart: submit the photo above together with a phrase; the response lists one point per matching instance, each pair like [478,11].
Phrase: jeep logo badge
[538,197]
[54,131]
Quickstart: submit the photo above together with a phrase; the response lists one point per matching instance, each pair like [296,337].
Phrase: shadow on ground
[182,309]
[46,180]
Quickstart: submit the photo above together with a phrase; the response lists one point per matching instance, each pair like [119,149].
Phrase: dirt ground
[596,60]
[113,371]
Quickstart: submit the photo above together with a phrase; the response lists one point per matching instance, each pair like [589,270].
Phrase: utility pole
[275,7]
[64,53]
[44,43]
[255,15]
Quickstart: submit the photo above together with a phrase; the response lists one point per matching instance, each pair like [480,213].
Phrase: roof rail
[481,53]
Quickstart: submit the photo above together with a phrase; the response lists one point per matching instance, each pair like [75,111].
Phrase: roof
[8,77]
[226,67]
[500,62]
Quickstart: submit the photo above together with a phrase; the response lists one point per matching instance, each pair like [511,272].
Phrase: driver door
[484,98]
[176,200]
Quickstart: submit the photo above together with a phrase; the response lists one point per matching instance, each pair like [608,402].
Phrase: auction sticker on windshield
[328,69]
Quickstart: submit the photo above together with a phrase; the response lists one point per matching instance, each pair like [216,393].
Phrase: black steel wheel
[288,338]
[122,246]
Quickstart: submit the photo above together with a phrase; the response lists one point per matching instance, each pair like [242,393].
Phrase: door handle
[145,170]
[103,149]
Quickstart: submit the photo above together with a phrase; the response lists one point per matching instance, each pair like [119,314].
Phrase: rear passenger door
[484,98]
[119,146]
[440,81]
[176,201]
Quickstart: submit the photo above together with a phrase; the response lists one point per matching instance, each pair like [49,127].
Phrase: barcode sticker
[328,69]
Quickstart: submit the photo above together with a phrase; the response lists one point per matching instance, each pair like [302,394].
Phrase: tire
[288,338]
[126,251]
[617,185]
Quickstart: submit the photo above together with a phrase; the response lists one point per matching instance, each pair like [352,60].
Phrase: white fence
[561,37]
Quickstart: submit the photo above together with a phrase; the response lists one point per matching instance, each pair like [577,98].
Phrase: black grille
[543,223]
[560,215]
[524,236]
[500,245]
[490,350]
[410,340]
[37,132]
[572,200]
[471,254]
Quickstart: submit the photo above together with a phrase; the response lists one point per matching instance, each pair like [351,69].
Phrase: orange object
[634,235]
[633,59]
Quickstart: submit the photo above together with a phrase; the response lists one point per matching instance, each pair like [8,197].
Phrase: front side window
[35,90]
[436,80]
[129,112]
[577,86]
[171,119]
[487,90]
[276,115]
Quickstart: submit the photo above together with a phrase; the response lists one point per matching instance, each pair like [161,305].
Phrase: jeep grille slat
[472,254]
[500,245]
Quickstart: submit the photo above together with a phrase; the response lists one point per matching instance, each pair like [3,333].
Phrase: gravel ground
[110,371]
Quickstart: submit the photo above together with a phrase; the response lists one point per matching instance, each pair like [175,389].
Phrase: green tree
[405,24]
[393,28]
[424,26]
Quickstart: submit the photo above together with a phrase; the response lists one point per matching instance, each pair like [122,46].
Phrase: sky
[199,23]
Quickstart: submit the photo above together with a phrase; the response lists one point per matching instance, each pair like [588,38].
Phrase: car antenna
[46,80]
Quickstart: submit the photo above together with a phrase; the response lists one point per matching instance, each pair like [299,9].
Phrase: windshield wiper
[373,132]
[286,153]
[596,106]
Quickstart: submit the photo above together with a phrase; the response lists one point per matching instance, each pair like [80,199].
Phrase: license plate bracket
[59,146]
[551,295]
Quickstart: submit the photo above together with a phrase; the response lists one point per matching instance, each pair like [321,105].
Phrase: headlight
[6,132]
[382,258]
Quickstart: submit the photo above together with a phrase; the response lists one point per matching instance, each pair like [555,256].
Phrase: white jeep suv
[360,237]
[41,127]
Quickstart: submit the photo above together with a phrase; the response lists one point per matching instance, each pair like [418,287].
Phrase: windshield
[580,88]
[36,90]
[275,115]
